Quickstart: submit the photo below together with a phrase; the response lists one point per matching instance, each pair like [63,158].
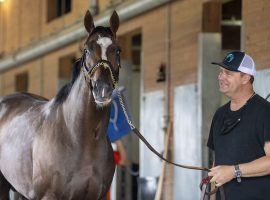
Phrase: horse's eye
[119,62]
[87,51]
[118,51]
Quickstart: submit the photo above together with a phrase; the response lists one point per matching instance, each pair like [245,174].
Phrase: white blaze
[104,42]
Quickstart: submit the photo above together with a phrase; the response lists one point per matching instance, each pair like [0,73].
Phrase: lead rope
[139,135]
[134,129]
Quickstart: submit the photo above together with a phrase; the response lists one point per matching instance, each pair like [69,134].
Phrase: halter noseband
[88,72]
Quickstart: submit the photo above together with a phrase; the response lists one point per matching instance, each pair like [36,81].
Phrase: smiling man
[240,133]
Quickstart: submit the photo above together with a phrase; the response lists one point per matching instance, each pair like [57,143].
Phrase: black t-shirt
[243,144]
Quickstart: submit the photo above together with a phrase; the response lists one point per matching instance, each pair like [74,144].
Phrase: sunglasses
[229,124]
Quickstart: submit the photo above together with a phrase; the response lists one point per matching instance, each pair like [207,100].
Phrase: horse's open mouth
[103,102]
[102,93]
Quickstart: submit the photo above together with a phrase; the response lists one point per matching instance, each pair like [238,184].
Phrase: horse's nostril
[102,90]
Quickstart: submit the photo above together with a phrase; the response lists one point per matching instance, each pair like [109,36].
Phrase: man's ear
[245,78]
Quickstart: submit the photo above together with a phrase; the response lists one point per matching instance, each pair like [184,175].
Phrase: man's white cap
[247,66]
[238,61]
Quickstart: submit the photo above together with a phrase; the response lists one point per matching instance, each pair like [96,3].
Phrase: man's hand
[221,174]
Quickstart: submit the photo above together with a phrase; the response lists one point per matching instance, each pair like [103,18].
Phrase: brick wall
[185,26]
[26,22]
[256,18]
[186,19]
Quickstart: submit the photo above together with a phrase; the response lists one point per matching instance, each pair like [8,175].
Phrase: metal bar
[231,23]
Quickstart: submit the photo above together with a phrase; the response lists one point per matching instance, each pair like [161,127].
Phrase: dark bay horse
[59,149]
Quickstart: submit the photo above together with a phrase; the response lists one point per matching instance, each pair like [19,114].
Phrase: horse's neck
[79,110]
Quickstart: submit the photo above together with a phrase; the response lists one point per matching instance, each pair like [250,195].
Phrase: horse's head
[101,58]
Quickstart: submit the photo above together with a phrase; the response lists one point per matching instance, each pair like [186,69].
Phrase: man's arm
[259,167]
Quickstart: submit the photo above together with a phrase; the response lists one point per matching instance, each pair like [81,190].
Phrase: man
[240,133]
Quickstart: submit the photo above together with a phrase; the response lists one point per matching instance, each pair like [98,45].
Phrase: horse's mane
[65,90]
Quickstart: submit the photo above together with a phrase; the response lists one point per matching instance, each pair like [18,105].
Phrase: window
[136,51]
[231,25]
[57,8]
[225,18]
[21,82]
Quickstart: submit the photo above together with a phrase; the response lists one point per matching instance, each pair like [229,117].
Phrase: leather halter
[88,72]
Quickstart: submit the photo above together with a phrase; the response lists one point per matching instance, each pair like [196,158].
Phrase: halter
[88,72]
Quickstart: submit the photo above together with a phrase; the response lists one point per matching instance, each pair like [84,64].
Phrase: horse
[58,148]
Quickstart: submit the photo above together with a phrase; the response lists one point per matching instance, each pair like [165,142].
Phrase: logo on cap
[229,57]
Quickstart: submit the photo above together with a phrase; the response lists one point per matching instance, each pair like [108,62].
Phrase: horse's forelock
[102,31]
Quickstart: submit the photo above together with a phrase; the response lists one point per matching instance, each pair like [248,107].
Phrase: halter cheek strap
[88,72]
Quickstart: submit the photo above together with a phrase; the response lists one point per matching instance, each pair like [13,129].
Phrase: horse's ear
[114,22]
[89,22]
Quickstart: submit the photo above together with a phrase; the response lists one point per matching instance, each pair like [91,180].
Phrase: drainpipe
[47,46]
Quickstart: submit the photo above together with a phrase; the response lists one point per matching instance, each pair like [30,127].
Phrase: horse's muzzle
[102,92]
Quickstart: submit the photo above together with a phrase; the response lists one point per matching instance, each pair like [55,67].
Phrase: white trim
[231,23]
[250,71]
[246,70]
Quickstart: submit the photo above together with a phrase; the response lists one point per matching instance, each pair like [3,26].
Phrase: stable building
[167,47]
